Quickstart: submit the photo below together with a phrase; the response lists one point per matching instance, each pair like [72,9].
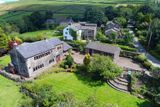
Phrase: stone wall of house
[47,61]
[25,67]
[19,63]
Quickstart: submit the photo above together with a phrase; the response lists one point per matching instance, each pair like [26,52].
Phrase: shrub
[127,48]
[78,45]
[147,64]
[102,67]
[141,58]
[73,33]
[68,62]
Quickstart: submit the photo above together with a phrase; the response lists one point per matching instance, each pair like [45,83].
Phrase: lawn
[9,93]
[37,35]
[82,88]
[4,60]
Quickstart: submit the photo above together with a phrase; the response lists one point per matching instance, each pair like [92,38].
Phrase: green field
[63,8]
[83,88]
[9,93]
[37,35]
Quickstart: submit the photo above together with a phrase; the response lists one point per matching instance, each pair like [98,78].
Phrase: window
[38,67]
[66,33]
[50,61]
[58,48]
[42,55]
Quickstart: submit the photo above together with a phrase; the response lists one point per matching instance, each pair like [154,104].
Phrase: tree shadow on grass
[146,104]
[88,81]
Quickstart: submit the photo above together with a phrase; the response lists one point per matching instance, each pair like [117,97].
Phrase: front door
[58,58]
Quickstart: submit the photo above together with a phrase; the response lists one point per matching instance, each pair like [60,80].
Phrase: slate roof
[83,26]
[103,47]
[111,25]
[28,50]
[110,31]
[66,47]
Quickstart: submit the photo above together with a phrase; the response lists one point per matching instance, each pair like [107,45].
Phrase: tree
[101,37]
[157,98]
[49,15]
[111,12]
[14,40]
[121,21]
[128,37]
[113,37]
[45,96]
[94,15]
[87,59]
[104,67]
[156,72]
[145,9]
[37,19]
[69,60]
[155,30]
[73,34]
[4,39]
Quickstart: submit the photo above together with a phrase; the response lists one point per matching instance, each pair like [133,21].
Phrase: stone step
[117,86]
[120,82]
[122,79]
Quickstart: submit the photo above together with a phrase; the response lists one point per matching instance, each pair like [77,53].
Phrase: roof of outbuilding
[103,47]
[31,49]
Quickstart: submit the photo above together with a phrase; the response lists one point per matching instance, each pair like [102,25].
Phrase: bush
[147,64]
[78,45]
[127,48]
[141,58]
[102,67]
[68,62]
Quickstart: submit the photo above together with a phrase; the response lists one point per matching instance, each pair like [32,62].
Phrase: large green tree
[94,15]
[104,67]
[4,39]
[154,37]
[121,21]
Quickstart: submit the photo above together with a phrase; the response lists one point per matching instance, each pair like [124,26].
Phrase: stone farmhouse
[103,49]
[84,31]
[29,59]
[112,27]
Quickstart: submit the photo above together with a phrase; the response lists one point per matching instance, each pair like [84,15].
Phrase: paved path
[141,49]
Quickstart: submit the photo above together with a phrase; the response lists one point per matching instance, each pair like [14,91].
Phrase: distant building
[31,58]
[66,22]
[112,27]
[84,31]
[103,49]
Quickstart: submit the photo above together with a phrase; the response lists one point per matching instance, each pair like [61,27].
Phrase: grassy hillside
[9,93]
[62,8]
[37,35]
[82,88]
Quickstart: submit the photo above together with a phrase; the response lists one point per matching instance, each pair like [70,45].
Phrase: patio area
[128,63]
[78,57]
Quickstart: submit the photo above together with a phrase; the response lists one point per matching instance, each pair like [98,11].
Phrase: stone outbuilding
[103,49]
